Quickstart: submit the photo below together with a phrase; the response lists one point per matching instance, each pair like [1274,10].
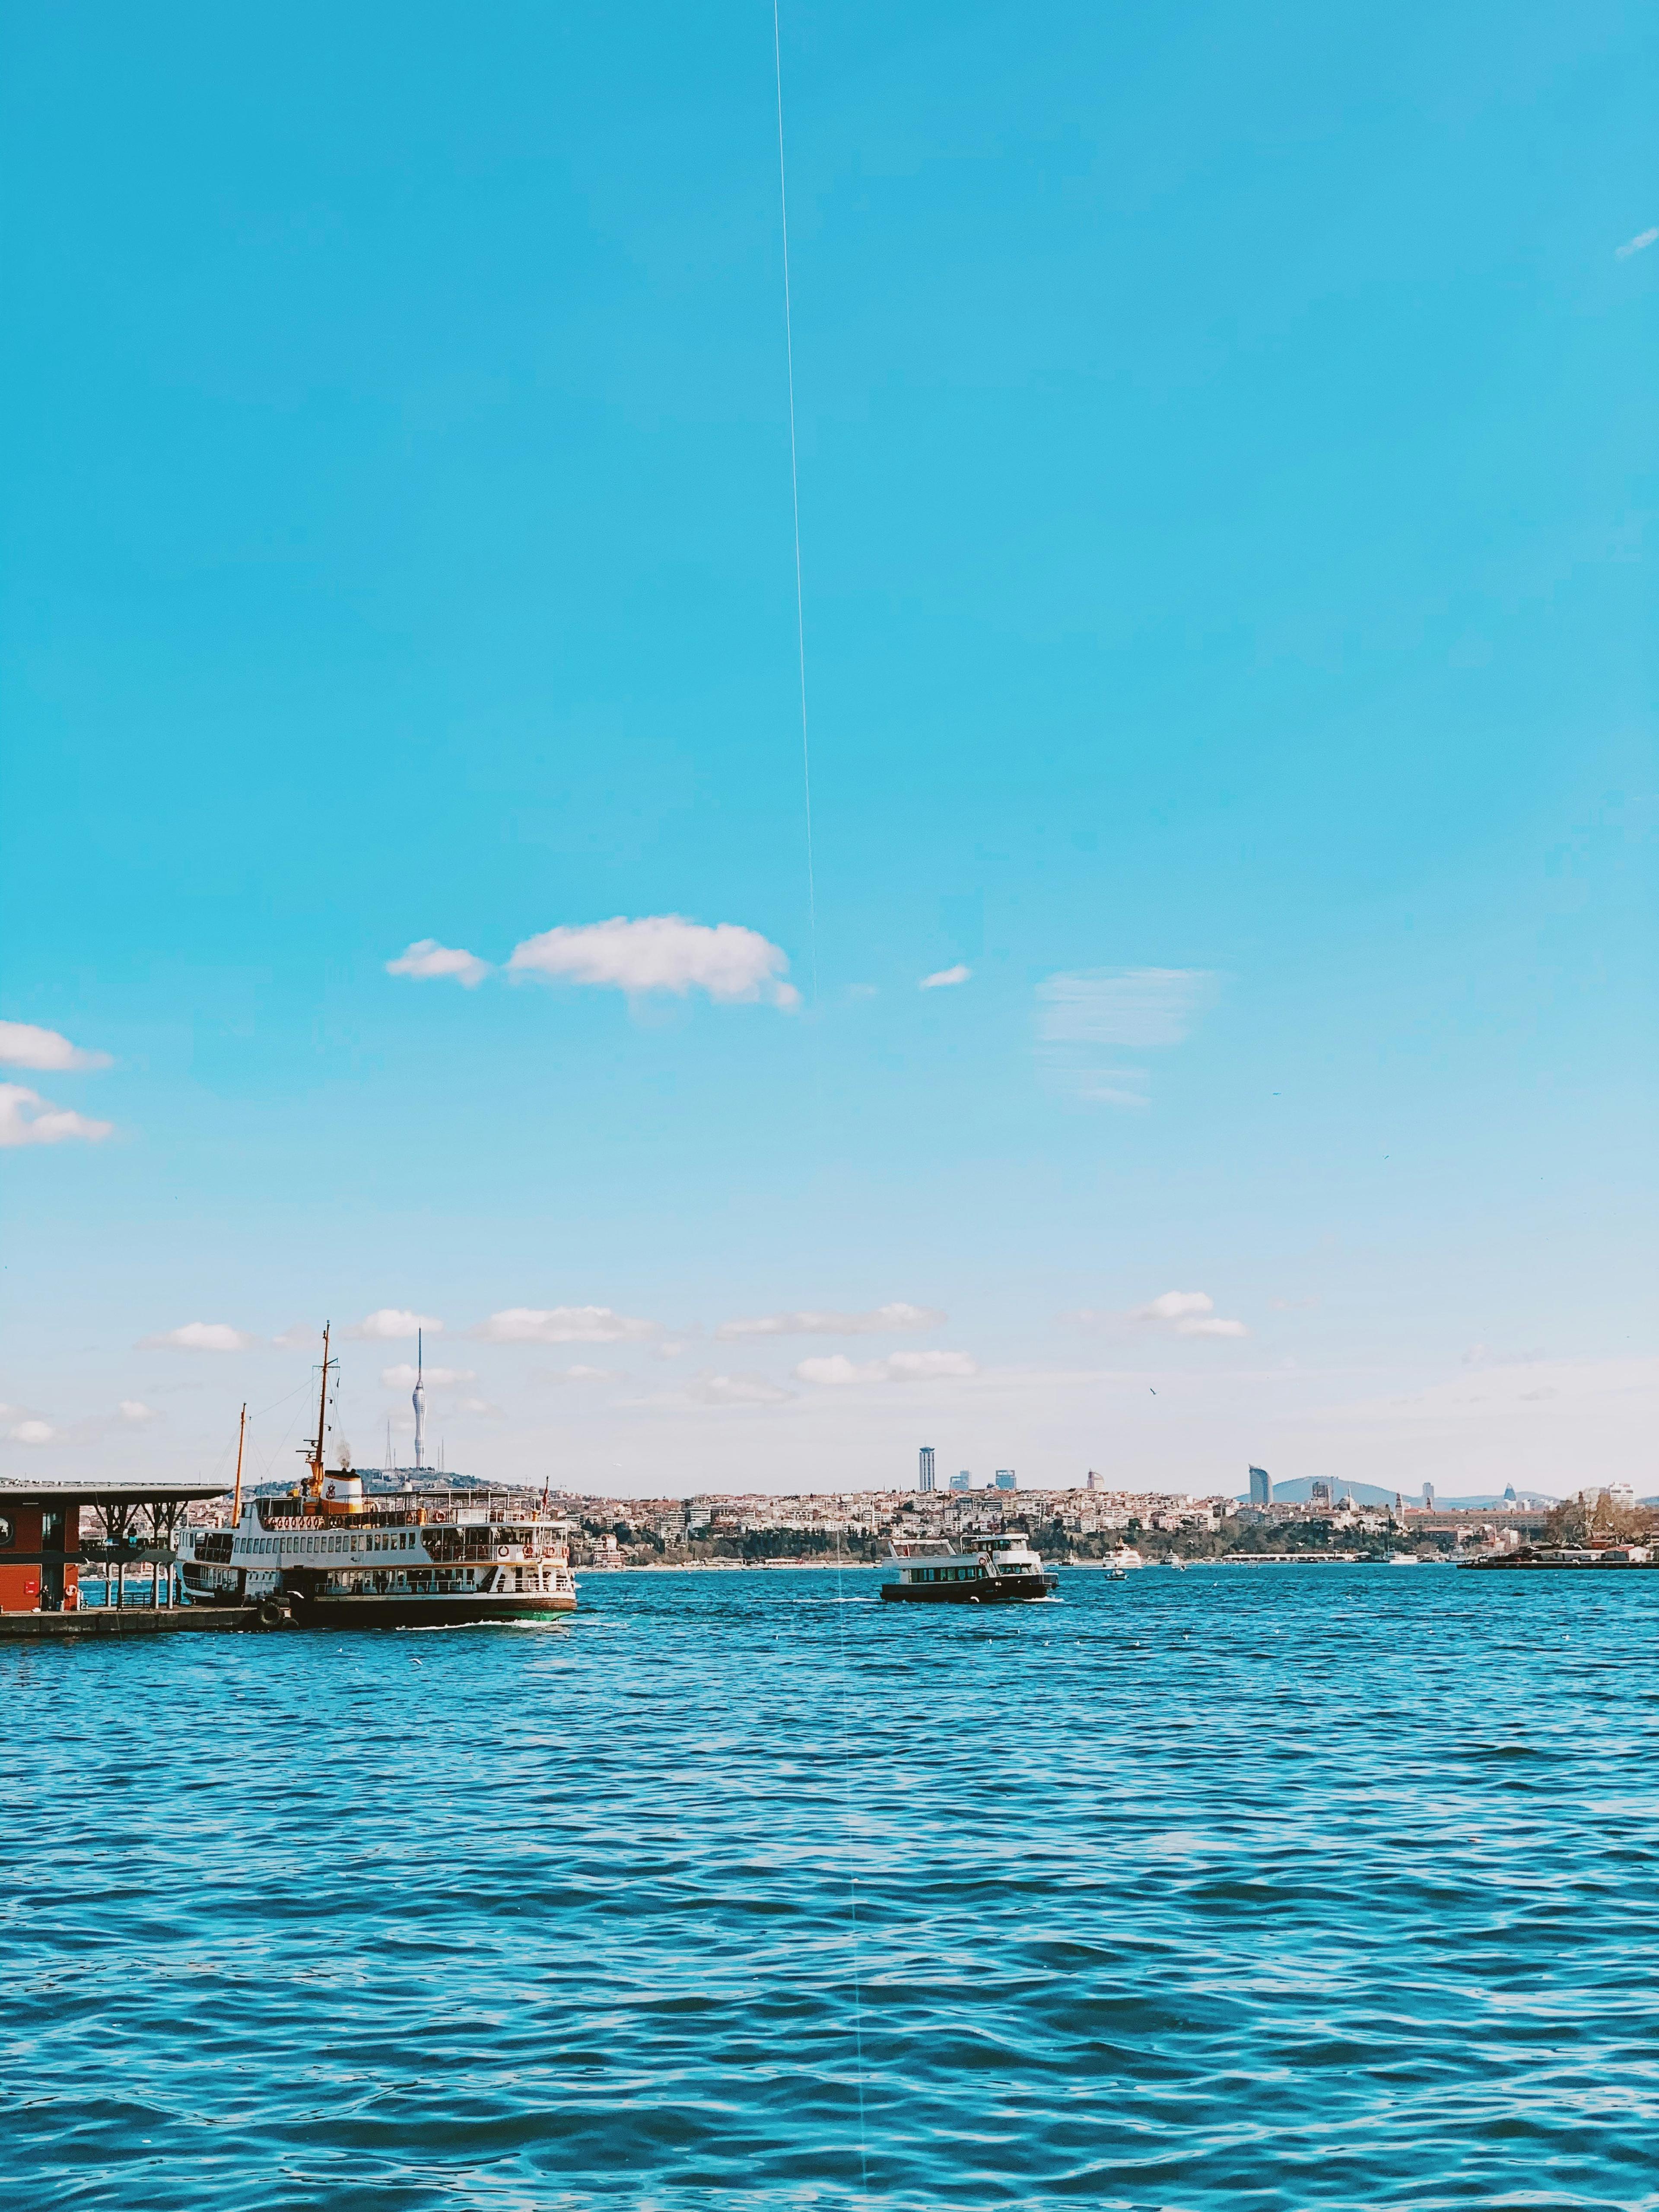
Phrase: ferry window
[7,1532]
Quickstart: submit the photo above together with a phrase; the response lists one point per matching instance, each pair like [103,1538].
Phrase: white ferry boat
[332,1555]
[1000,1570]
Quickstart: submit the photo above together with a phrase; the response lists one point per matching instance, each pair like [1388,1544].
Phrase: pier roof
[92,1490]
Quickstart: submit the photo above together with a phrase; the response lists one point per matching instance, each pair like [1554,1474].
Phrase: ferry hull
[995,1590]
[406,1612]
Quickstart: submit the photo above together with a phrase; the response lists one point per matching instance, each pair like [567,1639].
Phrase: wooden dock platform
[126,1621]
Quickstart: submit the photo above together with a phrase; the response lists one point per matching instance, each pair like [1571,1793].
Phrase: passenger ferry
[1001,1570]
[331,1554]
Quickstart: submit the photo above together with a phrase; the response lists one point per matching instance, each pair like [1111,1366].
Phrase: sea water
[1268,1887]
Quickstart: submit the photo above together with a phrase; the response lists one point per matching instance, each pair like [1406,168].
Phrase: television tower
[419,1401]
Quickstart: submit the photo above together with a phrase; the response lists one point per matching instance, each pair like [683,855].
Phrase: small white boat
[1119,1563]
[1404,1560]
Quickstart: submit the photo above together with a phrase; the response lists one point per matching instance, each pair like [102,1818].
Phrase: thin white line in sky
[794,485]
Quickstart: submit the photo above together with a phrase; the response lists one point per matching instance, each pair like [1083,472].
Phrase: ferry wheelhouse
[1000,1571]
[330,1553]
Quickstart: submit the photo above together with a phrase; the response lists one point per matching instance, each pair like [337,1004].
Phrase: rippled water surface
[1271,1887]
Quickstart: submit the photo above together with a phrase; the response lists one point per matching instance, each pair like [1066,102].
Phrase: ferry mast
[315,1462]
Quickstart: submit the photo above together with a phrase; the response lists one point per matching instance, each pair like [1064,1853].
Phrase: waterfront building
[46,1547]
[1261,1486]
[925,1469]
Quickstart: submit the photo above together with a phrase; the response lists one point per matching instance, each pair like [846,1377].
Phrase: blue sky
[1227,476]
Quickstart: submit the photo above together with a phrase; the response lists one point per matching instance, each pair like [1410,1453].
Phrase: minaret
[420,1402]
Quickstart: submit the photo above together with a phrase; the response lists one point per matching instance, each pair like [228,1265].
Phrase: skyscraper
[962,1481]
[925,1472]
[1428,1497]
[1091,1481]
[1319,1494]
[1261,1486]
[1005,1477]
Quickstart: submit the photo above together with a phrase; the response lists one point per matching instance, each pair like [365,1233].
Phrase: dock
[126,1620]
[45,1557]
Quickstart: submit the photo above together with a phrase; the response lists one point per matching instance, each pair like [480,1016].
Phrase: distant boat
[1118,1562]
[1005,1570]
[1404,1560]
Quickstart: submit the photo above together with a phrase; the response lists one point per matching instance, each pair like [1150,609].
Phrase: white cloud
[27,1118]
[136,1410]
[199,1336]
[404,1376]
[1146,1009]
[837,1368]
[1143,1008]
[562,1325]
[928,1366]
[661,952]
[1189,1313]
[392,1324]
[879,1323]
[578,1373]
[1175,1305]
[34,1432]
[896,1367]
[426,959]
[736,1390]
[1115,1086]
[1579,1386]
[22,1045]
[945,978]
[1639,244]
